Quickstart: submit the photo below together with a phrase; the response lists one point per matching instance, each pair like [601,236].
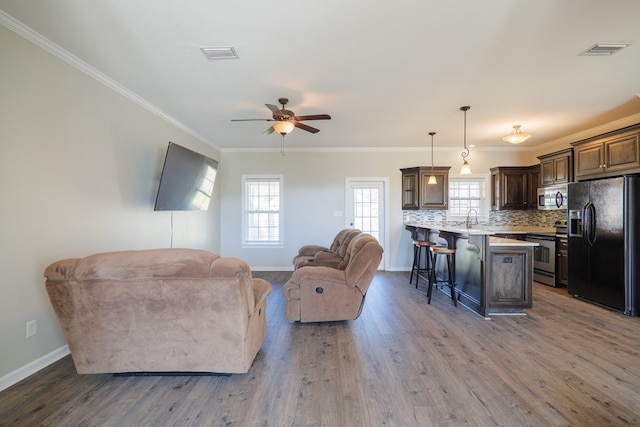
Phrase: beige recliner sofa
[321,293]
[159,310]
[319,255]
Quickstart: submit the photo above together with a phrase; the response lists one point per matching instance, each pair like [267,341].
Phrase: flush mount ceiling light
[432,178]
[604,49]
[466,168]
[516,136]
[225,52]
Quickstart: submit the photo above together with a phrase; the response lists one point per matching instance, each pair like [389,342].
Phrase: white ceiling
[388,72]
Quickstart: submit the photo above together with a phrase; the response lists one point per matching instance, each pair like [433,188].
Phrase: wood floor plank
[402,363]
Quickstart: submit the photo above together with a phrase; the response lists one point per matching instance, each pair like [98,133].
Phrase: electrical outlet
[32,328]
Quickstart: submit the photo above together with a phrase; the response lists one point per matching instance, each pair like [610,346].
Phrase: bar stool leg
[416,251]
[452,280]
[427,263]
[432,276]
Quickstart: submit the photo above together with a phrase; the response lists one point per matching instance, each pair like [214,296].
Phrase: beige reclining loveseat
[320,255]
[321,293]
[160,310]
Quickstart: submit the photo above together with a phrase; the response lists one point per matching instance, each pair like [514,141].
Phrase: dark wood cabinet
[612,154]
[410,188]
[562,262]
[557,167]
[510,278]
[417,193]
[533,182]
[509,188]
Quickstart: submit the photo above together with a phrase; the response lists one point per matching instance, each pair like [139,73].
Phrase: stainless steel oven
[544,258]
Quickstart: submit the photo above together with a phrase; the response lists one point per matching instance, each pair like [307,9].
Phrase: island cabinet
[557,167]
[612,154]
[417,193]
[492,275]
[510,279]
[509,188]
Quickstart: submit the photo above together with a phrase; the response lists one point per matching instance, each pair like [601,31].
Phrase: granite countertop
[499,241]
[484,229]
[451,228]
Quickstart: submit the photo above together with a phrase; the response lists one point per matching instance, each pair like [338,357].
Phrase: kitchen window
[468,192]
[262,210]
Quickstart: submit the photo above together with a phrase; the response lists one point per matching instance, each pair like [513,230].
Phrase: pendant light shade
[466,168]
[432,179]
[283,127]
[516,136]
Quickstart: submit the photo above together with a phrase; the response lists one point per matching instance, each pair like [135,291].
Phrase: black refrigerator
[604,244]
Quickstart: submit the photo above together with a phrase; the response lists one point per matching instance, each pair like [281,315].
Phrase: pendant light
[466,168]
[516,136]
[432,178]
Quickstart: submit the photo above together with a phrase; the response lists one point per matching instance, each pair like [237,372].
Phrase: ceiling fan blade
[251,120]
[314,117]
[305,127]
[275,110]
[268,131]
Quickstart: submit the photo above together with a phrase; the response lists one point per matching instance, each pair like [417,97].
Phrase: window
[468,192]
[262,220]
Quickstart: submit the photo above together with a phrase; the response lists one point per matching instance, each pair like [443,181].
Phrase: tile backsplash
[515,218]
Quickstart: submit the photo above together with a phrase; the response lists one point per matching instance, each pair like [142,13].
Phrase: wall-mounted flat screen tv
[187,180]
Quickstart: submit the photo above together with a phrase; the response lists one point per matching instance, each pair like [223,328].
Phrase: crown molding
[39,40]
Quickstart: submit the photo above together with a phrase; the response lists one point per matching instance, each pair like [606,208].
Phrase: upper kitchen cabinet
[509,188]
[417,193]
[556,168]
[612,154]
[533,182]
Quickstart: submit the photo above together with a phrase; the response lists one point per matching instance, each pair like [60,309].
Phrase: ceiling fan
[285,120]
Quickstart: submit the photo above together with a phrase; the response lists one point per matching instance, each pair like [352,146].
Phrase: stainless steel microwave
[552,197]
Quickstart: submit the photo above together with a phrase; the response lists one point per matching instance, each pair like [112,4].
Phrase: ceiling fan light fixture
[516,136]
[466,167]
[283,127]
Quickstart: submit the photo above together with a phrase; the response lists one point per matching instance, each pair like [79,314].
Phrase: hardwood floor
[402,363]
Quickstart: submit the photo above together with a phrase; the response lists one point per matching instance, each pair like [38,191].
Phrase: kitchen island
[494,276]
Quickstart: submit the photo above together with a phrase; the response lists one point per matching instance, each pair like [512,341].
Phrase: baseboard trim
[31,368]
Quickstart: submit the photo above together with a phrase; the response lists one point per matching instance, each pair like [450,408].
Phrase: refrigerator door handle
[589,224]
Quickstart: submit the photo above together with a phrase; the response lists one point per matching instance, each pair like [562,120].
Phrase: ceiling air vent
[603,49]
[219,52]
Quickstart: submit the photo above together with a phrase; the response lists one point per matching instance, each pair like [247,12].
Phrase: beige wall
[314,188]
[79,169]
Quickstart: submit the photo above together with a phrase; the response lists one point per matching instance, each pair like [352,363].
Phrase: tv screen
[187,180]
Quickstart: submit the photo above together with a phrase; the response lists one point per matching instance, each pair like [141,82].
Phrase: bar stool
[451,279]
[420,246]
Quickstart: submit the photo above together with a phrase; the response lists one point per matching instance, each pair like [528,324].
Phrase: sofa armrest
[327,257]
[310,250]
[261,289]
[324,273]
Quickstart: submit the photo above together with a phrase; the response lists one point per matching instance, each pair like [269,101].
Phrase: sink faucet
[469,224]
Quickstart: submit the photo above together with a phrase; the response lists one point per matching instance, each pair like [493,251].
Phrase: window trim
[486,178]
[260,244]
